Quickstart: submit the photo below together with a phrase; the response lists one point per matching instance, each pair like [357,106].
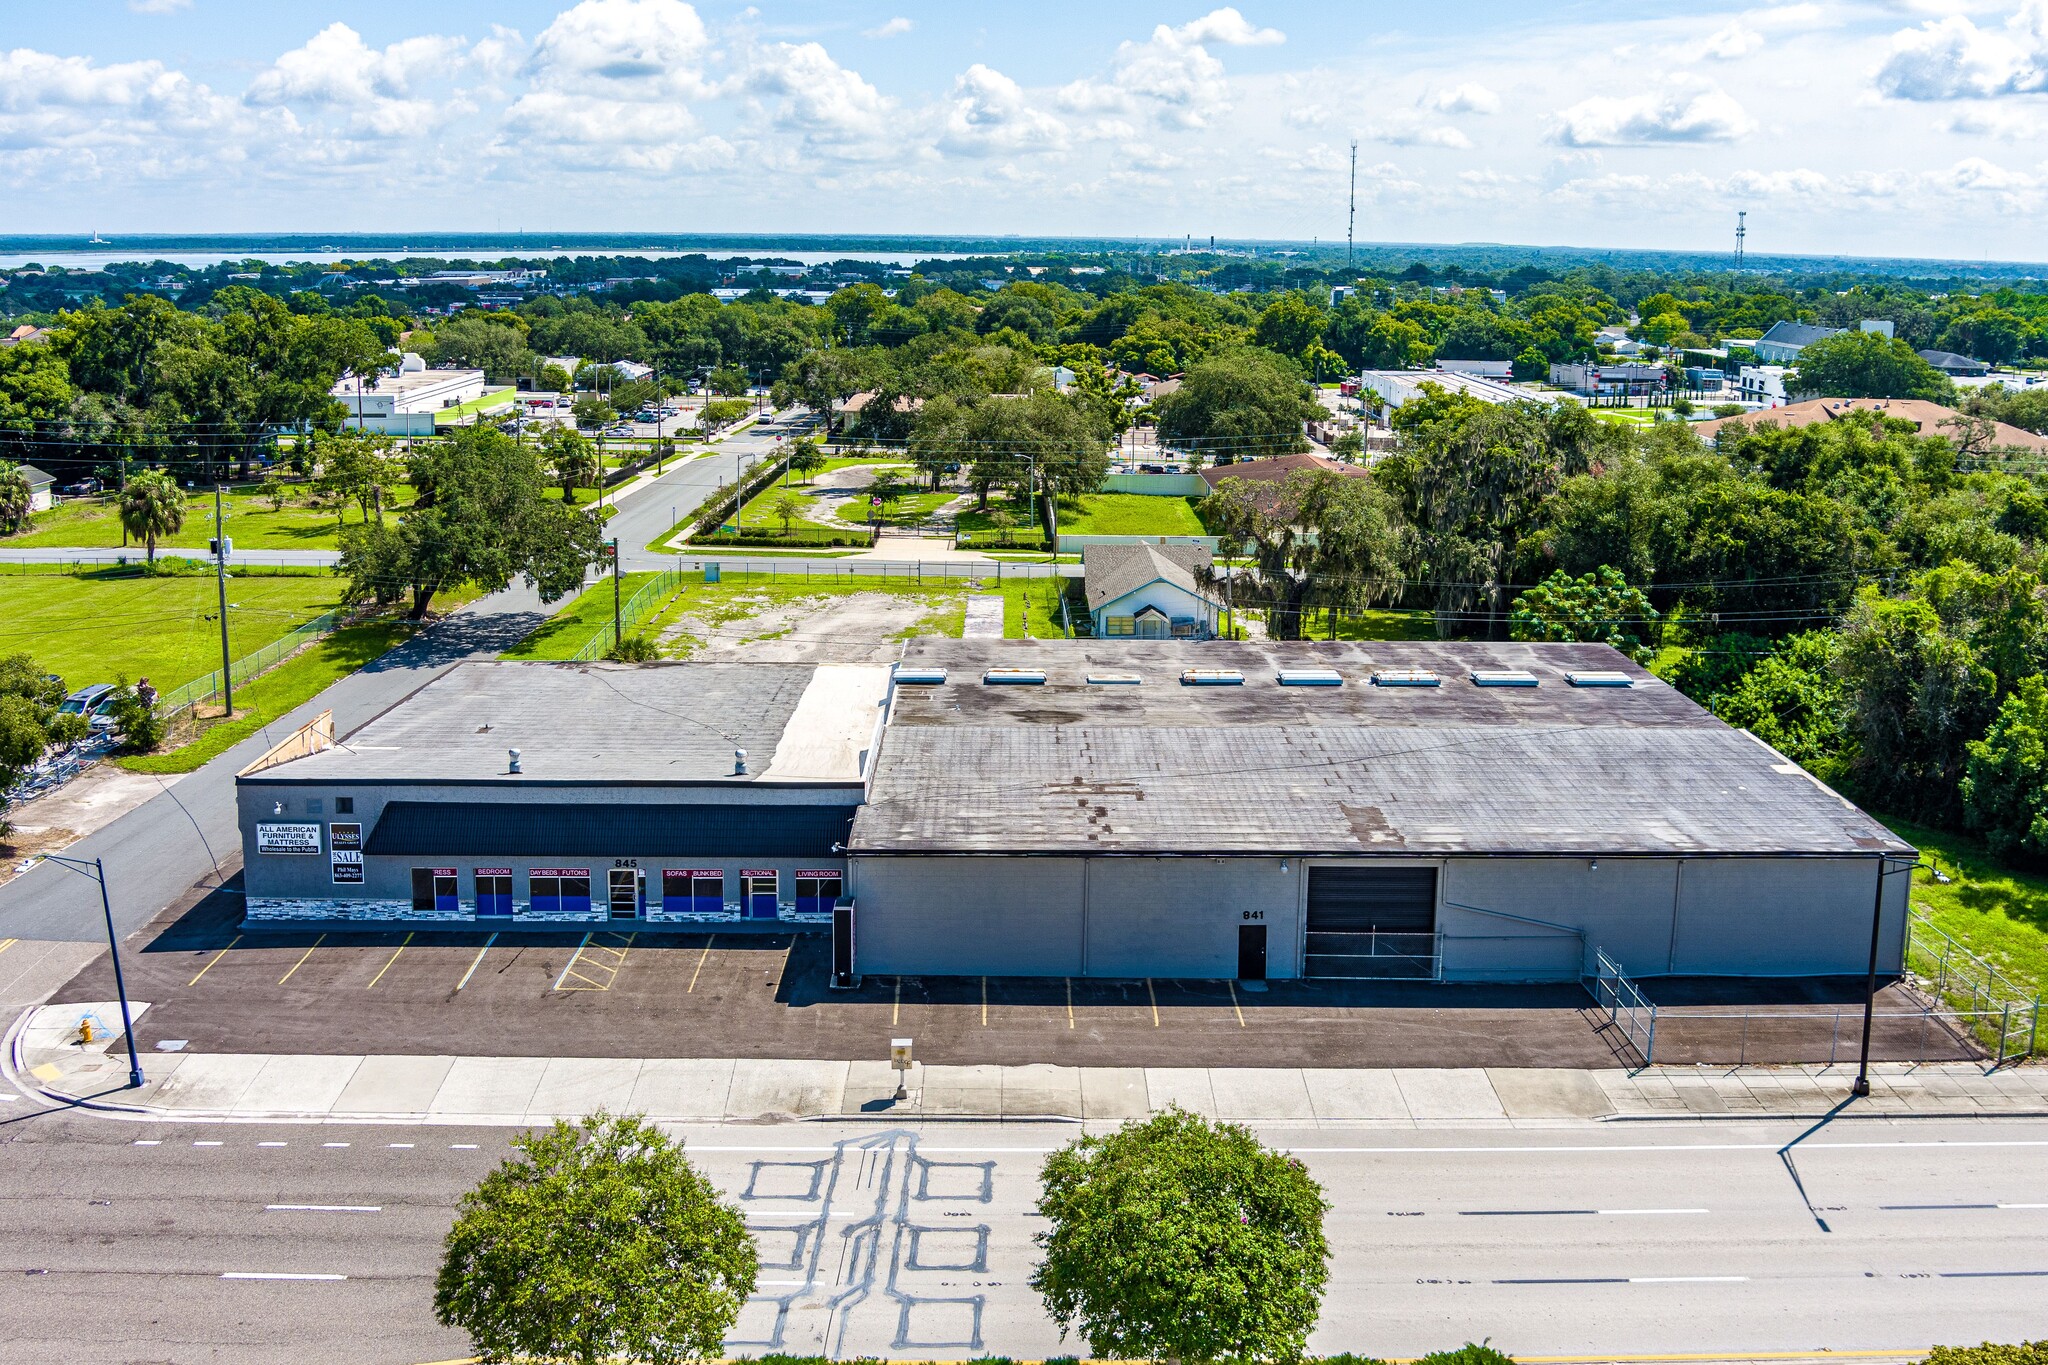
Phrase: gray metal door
[1371,922]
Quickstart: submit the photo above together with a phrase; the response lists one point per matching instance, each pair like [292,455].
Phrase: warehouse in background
[1458,811]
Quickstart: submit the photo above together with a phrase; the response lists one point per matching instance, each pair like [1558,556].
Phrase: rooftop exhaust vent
[1026,677]
[1310,677]
[511,760]
[739,762]
[1406,677]
[1600,678]
[927,677]
[1115,679]
[1503,677]
[1211,677]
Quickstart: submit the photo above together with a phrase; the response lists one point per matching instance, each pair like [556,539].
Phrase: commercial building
[1398,387]
[404,404]
[1956,366]
[1929,419]
[1784,341]
[509,793]
[1762,384]
[1107,808]
[1613,379]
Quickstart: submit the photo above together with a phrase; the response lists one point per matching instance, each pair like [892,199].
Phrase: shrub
[140,727]
[633,649]
[1990,1353]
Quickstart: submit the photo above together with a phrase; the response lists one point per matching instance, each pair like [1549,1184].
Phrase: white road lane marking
[207,1144]
[270,1144]
[149,1142]
[479,960]
[462,1146]
[323,1208]
[398,1146]
[274,1275]
[334,1144]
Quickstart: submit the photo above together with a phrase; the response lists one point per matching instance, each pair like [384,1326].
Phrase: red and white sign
[693,872]
[820,876]
[444,872]
[559,872]
[757,872]
[494,872]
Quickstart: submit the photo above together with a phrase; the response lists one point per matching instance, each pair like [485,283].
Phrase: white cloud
[815,97]
[895,28]
[74,119]
[336,68]
[1224,26]
[1404,130]
[1952,58]
[989,113]
[158,6]
[628,49]
[1680,114]
[1732,41]
[1468,98]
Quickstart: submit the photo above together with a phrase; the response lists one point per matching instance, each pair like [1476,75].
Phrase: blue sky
[1911,127]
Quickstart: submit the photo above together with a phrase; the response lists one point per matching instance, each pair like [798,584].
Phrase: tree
[729,381]
[570,457]
[1791,698]
[136,720]
[592,411]
[2005,780]
[355,466]
[1246,404]
[273,492]
[1533,366]
[787,506]
[1917,696]
[553,379]
[1319,539]
[29,699]
[806,459]
[1040,440]
[152,508]
[821,380]
[1178,1239]
[15,498]
[600,1240]
[1859,364]
[1598,607]
[483,517]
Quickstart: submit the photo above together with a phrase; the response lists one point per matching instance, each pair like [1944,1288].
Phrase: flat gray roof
[597,723]
[1164,768]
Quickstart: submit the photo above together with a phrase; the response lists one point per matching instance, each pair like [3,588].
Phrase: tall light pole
[1862,1084]
[98,872]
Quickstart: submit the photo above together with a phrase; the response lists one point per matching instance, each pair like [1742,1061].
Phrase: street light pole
[1861,1087]
[98,872]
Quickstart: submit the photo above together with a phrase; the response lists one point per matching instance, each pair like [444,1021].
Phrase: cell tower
[1741,231]
[1351,223]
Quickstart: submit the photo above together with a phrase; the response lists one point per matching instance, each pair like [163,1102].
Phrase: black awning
[491,829]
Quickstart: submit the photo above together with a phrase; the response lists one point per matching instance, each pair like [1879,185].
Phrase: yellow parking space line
[570,963]
[1233,1002]
[700,963]
[1153,996]
[1070,1000]
[302,959]
[216,957]
[387,966]
[6,943]
[896,1012]
[602,959]
[984,1002]
[476,962]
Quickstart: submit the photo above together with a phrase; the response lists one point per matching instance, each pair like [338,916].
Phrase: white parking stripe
[324,1208]
[273,1275]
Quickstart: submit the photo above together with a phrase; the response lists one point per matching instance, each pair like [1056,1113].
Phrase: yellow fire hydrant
[85,1034]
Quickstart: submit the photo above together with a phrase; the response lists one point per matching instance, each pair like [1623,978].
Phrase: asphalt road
[161,1242]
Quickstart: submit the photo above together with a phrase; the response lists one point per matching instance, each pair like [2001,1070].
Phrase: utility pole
[220,573]
[1351,222]
[1741,231]
[616,636]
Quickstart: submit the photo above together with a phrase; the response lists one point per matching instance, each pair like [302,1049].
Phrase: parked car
[83,488]
[95,703]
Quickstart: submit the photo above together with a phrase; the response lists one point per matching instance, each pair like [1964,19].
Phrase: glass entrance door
[625,892]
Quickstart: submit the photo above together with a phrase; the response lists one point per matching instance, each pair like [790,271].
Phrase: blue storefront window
[493,891]
[435,888]
[817,892]
[556,889]
[692,890]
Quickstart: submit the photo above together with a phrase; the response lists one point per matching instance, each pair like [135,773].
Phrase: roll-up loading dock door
[1371,922]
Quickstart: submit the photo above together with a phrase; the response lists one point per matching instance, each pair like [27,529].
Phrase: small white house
[1148,592]
[40,484]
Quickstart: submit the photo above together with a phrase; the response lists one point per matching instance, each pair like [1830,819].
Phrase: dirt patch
[94,799]
[851,628]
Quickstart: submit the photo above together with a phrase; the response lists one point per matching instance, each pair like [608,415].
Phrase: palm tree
[14,498]
[152,506]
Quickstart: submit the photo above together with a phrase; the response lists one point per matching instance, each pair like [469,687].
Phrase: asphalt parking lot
[731,994]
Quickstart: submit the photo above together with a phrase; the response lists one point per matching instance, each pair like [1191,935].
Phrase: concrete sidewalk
[42,1056]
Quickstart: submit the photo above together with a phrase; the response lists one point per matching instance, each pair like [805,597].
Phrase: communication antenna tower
[1741,231]
[1351,222]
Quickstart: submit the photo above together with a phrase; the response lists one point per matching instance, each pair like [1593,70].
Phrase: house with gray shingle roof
[1149,592]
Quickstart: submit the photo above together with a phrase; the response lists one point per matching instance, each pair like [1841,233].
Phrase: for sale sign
[347,868]
[288,839]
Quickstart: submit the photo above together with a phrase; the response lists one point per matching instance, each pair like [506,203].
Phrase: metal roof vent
[1026,677]
[1310,677]
[1611,677]
[928,677]
[1211,677]
[512,761]
[1503,677]
[1115,679]
[1406,677]
[739,762]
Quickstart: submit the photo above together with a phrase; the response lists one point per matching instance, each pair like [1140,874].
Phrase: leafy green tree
[1917,696]
[554,379]
[570,457]
[2005,780]
[592,412]
[1319,539]
[483,517]
[1290,325]
[1531,366]
[1792,698]
[723,412]
[1855,364]
[729,381]
[1039,443]
[29,699]
[787,506]
[135,719]
[273,492]
[152,507]
[598,1241]
[355,466]
[821,380]
[1598,607]
[1246,404]
[1181,1240]
[806,459]
[14,498]
[493,342]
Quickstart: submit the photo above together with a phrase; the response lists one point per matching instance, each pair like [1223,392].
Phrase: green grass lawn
[569,629]
[95,627]
[1996,911]
[251,522]
[1370,625]
[267,699]
[491,399]
[1130,514]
